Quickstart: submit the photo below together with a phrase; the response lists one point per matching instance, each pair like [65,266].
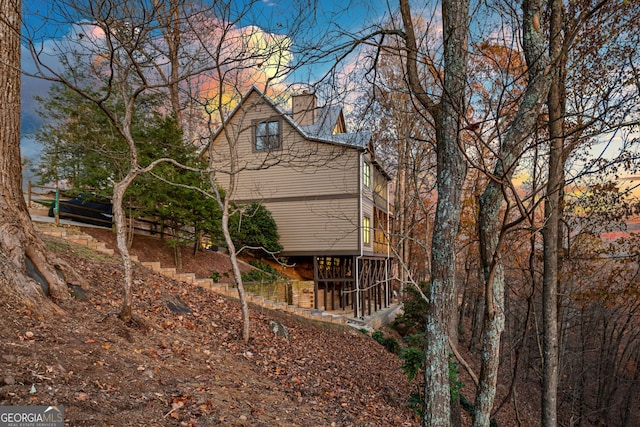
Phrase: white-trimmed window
[267,135]
[366,230]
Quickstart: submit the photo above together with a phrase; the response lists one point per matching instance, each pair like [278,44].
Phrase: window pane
[267,135]
[366,230]
[274,141]
[366,174]
[274,128]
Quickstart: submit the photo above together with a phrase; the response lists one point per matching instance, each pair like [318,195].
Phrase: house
[326,192]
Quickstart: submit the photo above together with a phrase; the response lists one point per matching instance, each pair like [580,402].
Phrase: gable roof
[320,131]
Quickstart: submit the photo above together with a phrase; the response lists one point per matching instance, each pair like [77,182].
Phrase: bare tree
[491,227]
[447,114]
[406,147]
[240,57]
[579,51]
[108,62]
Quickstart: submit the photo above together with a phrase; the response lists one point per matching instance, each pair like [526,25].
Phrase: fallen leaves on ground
[192,369]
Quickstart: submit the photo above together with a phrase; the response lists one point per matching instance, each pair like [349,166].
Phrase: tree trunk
[550,230]
[400,235]
[237,275]
[490,222]
[476,328]
[490,234]
[451,170]
[169,17]
[28,270]
[121,239]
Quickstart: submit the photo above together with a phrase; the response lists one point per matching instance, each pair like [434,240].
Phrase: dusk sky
[350,15]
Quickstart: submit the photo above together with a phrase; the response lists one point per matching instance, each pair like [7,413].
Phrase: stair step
[168,271]
[153,265]
[204,283]
[79,240]
[77,236]
[186,277]
[54,233]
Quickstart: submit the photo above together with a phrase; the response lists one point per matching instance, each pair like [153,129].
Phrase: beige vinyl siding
[300,168]
[310,188]
[317,225]
[322,177]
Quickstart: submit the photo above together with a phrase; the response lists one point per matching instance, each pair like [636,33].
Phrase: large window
[380,226]
[366,230]
[366,174]
[267,135]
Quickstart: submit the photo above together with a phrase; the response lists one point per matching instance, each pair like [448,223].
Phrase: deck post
[316,279]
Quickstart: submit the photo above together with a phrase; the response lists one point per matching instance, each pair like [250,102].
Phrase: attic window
[267,135]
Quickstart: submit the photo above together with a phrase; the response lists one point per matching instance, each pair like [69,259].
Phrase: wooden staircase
[76,235]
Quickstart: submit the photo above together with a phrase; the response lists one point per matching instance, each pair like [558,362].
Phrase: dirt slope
[190,369]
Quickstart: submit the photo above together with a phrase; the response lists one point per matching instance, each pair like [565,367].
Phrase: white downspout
[360,233]
[388,293]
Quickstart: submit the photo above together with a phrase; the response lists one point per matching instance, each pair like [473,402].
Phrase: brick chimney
[304,108]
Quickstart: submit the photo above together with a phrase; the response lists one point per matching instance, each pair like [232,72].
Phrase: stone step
[168,271]
[186,277]
[204,283]
[52,232]
[77,236]
[223,288]
[49,229]
[152,265]
[84,241]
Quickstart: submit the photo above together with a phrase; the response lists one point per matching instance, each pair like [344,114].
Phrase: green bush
[263,273]
[215,276]
[412,361]
[254,227]
[267,268]
[454,381]
[413,366]
[255,276]
[413,320]
[387,342]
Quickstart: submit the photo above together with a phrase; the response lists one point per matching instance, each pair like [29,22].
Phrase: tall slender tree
[551,227]
[447,114]
[490,224]
[582,110]
[114,52]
